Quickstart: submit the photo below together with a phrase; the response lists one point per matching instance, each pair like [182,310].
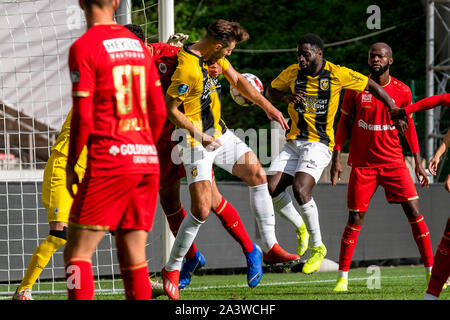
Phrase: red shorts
[116,202]
[171,171]
[364,181]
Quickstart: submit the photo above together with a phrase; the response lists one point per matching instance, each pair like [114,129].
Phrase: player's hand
[433,165]
[296,97]
[214,70]
[447,183]
[275,115]
[401,126]
[210,143]
[335,172]
[421,176]
[397,113]
[71,179]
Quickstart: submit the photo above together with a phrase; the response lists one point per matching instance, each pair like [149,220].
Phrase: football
[239,98]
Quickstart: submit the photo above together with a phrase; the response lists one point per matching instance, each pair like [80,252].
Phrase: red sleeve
[344,126]
[83,85]
[411,133]
[155,100]
[429,103]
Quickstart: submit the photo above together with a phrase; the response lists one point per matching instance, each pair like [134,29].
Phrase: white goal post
[35,98]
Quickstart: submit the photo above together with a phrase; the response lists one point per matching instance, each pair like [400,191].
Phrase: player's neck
[383,79]
[98,17]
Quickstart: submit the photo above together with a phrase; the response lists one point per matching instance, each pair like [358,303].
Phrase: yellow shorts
[55,197]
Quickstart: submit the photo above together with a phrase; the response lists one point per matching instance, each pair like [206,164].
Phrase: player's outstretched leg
[190,265]
[254,266]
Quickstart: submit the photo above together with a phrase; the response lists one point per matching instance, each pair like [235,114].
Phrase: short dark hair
[313,39]
[98,3]
[137,30]
[225,31]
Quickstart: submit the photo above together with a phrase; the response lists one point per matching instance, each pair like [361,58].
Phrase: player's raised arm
[424,104]
[241,84]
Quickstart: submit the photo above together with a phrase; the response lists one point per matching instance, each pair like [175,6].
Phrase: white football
[239,98]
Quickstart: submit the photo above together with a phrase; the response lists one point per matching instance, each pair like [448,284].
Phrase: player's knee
[301,192]
[258,177]
[62,234]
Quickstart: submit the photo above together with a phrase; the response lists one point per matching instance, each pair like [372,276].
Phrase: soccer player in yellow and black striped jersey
[193,104]
[312,88]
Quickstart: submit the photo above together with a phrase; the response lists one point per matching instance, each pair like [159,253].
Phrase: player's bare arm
[336,167]
[420,171]
[181,121]
[280,96]
[433,165]
[241,84]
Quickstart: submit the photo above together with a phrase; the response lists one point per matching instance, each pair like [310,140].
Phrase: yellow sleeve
[224,63]
[283,81]
[352,80]
[183,80]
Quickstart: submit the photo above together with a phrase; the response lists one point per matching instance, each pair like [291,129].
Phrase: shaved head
[382,47]
[97,3]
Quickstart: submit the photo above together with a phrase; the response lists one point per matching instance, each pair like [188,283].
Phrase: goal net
[35,98]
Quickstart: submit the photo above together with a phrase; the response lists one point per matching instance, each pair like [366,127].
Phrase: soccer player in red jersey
[118,112]
[376,158]
[165,58]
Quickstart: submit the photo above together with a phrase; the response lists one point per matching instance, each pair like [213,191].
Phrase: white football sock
[183,241]
[343,274]
[310,215]
[262,207]
[282,204]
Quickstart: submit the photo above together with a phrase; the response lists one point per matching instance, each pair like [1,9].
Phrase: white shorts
[302,156]
[198,162]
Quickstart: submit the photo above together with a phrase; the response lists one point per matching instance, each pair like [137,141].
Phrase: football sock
[262,207]
[310,215]
[185,237]
[174,220]
[136,282]
[80,279]
[441,268]
[348,244]
[422,238]
[282,204]
[40,258]
[232,222]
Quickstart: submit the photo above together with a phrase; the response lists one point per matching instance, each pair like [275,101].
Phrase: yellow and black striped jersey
[62,142]
[199,92]
[314,119]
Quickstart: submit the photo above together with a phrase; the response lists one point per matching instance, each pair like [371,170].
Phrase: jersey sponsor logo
[324,84]
[162,67]
[313,105]
[122,44]
[374,127]
[75,76]
[183,88]
[355,77]
[137,149]
[114,150]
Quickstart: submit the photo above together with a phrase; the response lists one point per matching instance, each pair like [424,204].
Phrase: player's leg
[57,202]
[399,188]
[313,159]
[278,181]
[81,244]
[232,222]
[361,187]
[441,269]
[249,169]
[133,264]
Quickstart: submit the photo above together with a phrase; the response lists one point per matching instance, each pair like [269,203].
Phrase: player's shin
[80,279]
[136,283]
[441,268]
[262,207]
[184,239]
[422,238]
[348,245]
[310,215]
[175,219]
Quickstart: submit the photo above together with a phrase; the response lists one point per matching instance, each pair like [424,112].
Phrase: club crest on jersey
[114,150]
[194,172]
[324,84]
[366,97]
[183,88]
[162,67]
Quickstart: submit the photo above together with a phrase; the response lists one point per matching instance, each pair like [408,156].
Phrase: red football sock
[422,237]
[348,244]
[174,219]
[232,222]
[136,282]
[441,268]
[80,279]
